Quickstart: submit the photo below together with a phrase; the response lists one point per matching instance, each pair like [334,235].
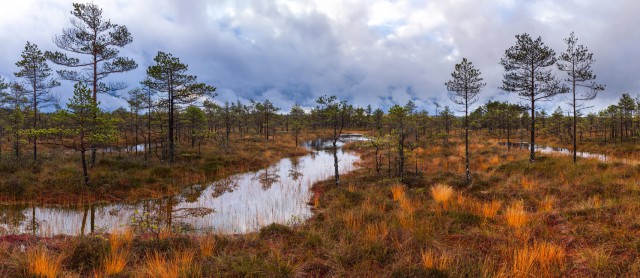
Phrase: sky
[377,52]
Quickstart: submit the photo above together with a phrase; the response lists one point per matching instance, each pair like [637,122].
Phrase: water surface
[564,151]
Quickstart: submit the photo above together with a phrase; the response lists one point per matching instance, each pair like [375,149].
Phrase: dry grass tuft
[494,160]
[353,220]
[316,201]
[433,260]
[442,193]
[490,210]
[516,216]
[461,200]
[41,263]
[406,220]
[407,206]
[527,184]
[596,201]
[549,255]
[397,191]
[155,265]
[207,245]
[540,260]
[597,259]
[546,205]
[115,262]
[376,231]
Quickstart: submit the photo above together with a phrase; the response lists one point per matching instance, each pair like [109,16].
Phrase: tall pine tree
[100,40]
[464,88]
[576,61]
[528,74]
[34,69]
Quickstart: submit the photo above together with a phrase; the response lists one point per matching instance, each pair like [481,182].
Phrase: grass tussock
[516,216]
[181,265]
[542,259]
[207,245]
[433,260]
[490,210]
[43,263]
[397,191]
[546,204]
[119,249]
[441,194]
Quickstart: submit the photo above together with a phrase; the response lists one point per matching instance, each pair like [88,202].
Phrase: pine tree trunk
[84,168]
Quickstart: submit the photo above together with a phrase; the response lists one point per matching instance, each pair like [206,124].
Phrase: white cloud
[369,52]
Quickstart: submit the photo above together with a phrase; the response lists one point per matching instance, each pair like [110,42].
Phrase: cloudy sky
[368,52]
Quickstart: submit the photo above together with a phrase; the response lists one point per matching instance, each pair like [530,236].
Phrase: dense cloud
[375,53]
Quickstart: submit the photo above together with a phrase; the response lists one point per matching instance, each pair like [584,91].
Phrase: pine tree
[527,65]
[576,61]
[464,89]
[83,125]
[92,36]
[34,69]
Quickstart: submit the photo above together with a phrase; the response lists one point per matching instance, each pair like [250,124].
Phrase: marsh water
[241,203]
[564,151]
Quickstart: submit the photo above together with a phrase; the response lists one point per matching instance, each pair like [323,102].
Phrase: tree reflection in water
[267,179]
[294,172]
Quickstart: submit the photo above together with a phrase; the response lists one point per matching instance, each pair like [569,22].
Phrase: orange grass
[397,191]
[546,205]
[490,210]
[41,263]
[376,231]
[115,262]
[207,245]
[526,183]
[432,260]
[538,260]
[516,216]
[406,220]
[441,194]
[494,160]
[353,220]
[407,206]
[155,265]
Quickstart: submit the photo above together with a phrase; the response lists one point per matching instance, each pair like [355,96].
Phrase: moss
[275,230]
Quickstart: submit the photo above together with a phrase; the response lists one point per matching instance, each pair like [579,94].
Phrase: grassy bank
[57,177]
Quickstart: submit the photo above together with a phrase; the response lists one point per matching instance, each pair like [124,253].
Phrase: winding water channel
[240,203]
